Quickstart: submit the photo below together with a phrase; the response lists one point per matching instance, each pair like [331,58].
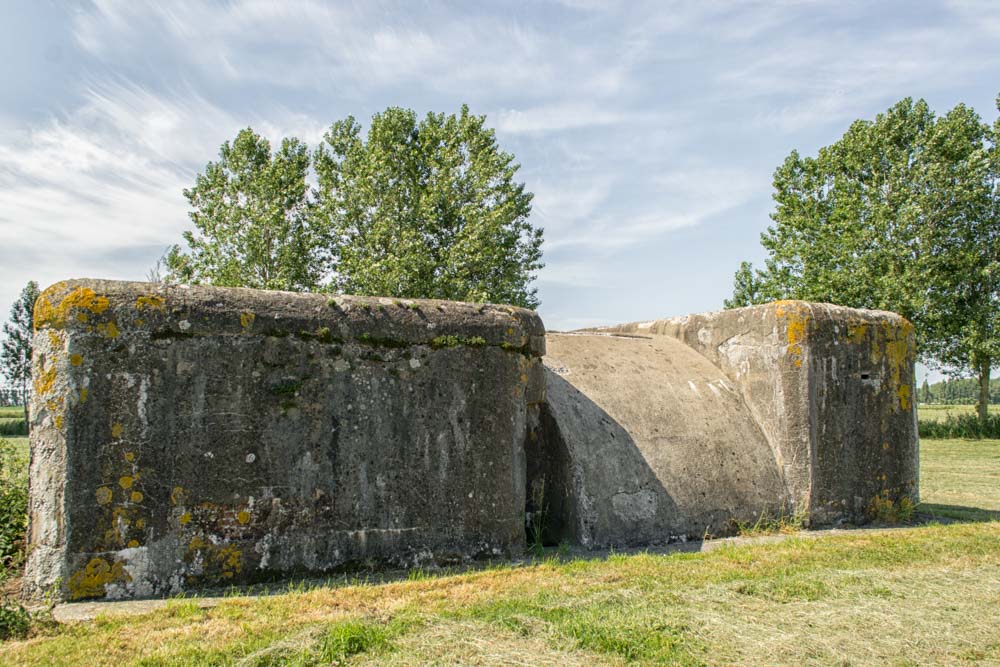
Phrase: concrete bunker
[688,426]
[187,437]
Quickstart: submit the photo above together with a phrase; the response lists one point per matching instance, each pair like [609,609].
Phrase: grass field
[913,595]
[10,412]
[942,412]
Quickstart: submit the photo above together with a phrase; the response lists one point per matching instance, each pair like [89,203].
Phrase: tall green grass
[13,427]
[960,426]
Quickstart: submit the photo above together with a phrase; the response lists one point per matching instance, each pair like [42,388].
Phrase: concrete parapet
[187,437]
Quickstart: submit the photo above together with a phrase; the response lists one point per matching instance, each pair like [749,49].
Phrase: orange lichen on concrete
[90,582]
[45,380]
[230,559]
[904,396]
[150,302]
[856,331]
[54,307]
[108,329]
[898,354]
[796,316]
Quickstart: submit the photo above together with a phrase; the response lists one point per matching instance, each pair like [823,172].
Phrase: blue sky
[647,131]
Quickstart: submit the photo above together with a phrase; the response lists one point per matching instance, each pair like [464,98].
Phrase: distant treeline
[964,391]
[11,396]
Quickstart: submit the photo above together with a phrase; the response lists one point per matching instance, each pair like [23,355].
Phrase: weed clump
[884,510]
[774,524]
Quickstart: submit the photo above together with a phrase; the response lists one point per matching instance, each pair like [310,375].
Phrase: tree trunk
[984,389]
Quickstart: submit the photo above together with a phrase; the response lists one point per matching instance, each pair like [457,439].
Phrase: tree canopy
[251,215]
[901,213]
[426,208]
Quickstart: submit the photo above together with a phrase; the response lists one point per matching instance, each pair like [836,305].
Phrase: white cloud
[99,191]
[556,117]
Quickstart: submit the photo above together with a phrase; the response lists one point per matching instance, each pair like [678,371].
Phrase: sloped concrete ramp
[646,440]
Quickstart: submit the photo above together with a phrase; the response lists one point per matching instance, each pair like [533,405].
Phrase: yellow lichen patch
[117,429]
[81,317]
[109,330]
[796,318]
[45,380]
[904,396]
[129,456]
[177,495]
[243,517]
[91,580]
[76,359]
[83,394]
[136,496]
[104,495]
[150,302]
[185,518]
[132,544]
[140,523]
[126,482]
[52,311]
[856,332]
[55,339]
[246,320]
[58,420]
[230,560]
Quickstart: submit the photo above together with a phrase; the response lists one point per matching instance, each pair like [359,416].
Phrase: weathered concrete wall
[189,436]
[647,441]
[831,388]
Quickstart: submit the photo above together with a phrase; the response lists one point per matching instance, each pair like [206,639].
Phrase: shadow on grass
[936,512]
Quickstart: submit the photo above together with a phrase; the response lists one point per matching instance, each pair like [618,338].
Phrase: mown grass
[11,412]
[960,478]
[913,595]
[940,412]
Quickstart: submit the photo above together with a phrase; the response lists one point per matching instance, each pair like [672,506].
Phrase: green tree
[925,393]
[426,209]
[251,214]
[900,214]
[15,351]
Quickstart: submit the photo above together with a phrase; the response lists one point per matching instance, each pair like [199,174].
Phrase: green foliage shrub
[13,507]
[13,427]
[961,426]
[15,620]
